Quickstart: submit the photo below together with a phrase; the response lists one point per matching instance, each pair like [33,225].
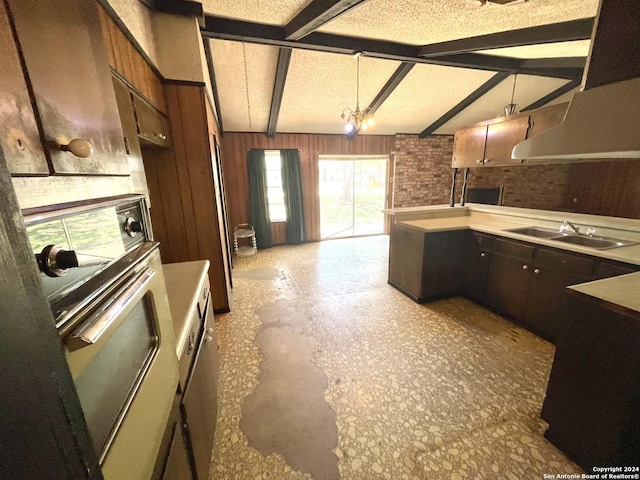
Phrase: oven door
[123,361]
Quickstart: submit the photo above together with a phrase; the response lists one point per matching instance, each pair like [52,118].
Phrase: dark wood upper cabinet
[468,149]
[153,126]
[544,118]
[502,137]
[490,143]
[19,137]
[64,54]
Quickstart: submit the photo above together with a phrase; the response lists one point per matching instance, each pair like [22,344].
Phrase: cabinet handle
[161,136]
[487,160]
[537,270]
[479,161]
[525,267]
[483,254]
[210,330]
[208,339]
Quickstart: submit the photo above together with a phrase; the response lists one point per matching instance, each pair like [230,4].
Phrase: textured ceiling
[320,85]
[429,21]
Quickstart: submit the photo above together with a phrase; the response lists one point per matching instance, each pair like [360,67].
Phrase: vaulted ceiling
[427,66]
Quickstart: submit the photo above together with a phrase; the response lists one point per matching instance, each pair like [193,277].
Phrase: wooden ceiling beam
[241,31]
[553,33]
[384,93]
[390,86]
[473,96]
[184,8]
[284,57]
[316,14]
[567,87]
[214,86]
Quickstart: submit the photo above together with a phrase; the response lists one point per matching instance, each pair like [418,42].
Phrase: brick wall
[423,177]
[422,170]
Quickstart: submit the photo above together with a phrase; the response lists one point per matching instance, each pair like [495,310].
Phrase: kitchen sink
[599,243]
[593,242]
[535,232]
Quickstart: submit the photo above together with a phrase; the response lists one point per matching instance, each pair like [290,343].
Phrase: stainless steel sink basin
[535,232]
[599,243]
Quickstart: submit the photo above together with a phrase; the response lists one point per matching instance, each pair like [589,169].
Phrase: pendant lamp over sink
[357,119]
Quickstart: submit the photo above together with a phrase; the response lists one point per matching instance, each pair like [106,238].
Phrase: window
[275,194]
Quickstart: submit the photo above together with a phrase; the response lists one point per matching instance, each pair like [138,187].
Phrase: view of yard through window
[352,195]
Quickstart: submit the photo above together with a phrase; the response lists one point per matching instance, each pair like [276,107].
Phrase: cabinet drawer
[516,249]
[560,260]
[482,241]
[188,354]
[153,127]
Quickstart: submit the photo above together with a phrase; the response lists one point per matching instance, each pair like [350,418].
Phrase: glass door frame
[388,188]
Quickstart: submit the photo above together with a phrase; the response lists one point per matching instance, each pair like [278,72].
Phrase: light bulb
[349,127]
[364,126]
[370,121]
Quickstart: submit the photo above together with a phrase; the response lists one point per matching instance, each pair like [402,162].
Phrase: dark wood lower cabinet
[178,467]
[593,397]
[508,285]
[523,281]
[546,310]
[427,265]
[477,266]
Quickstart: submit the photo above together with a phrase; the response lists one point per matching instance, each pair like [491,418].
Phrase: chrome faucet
[566,225]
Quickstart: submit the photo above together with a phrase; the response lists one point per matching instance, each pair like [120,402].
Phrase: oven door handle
[94,327]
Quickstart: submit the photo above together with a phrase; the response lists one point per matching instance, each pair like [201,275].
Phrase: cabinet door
[406,248]
[468,147]
[130,132]
[61,42]
[443,264]
[502,137]
[546,117]
[546,310]
[200,404]
[153,126]
[477,266]
[19,137]
[508,284]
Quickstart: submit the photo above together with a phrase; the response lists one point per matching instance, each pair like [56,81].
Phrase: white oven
[114,322]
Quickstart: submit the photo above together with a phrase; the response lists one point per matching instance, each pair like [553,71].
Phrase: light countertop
[184,282]
[497,220]
[621,290]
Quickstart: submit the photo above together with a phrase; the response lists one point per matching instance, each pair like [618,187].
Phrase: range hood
[600,123]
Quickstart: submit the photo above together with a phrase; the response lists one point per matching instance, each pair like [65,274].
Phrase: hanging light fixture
[357,119]
[512,108]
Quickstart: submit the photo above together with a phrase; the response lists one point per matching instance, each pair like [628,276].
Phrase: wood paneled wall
[604,188]
[234,159]
[128,62]
[182,187]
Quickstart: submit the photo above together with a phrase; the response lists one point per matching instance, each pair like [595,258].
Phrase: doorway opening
[353,192]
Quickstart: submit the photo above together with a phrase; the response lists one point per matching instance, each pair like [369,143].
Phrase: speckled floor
[445,390]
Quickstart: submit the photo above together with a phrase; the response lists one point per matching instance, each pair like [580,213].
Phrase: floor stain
[276,416]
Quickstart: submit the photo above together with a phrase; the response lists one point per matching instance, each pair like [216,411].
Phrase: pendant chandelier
[512,108]
[357,119]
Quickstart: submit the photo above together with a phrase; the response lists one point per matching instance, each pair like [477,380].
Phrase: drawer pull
[208,339]
[537,270]
[483,254]
[210,330]
[161,136]
[479,162]
[525,267]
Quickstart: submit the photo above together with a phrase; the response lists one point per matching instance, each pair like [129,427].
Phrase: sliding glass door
[352,195]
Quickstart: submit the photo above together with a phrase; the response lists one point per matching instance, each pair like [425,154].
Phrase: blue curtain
[292,187]
[259,206]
